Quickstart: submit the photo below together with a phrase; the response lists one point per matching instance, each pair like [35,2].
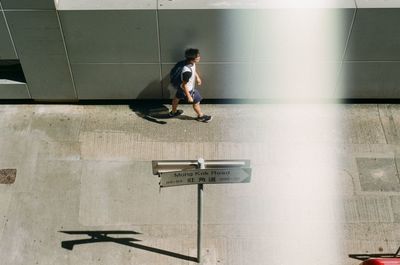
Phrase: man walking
[186,90]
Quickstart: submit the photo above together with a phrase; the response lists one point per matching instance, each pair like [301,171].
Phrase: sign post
[199,212]
[200,172]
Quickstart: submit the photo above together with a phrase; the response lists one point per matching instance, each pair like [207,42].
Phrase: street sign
[206,176]
[162,166]
[200,171]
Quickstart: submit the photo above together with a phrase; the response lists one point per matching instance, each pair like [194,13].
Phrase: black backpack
[175,74]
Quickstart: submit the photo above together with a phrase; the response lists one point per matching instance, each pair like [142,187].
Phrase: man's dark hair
[191,54]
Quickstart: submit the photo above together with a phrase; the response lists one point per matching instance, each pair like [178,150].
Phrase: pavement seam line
[397,170]
[380,120]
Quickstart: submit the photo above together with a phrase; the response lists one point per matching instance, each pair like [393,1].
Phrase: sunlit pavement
[325,184]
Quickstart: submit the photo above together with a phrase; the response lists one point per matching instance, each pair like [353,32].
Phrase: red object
[382,261]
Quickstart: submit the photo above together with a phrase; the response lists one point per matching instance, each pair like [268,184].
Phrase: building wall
[72,49]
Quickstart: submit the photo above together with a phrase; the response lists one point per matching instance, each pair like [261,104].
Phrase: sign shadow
[367,256]
[104,236]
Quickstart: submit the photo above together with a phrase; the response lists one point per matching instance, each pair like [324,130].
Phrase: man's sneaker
[176,113]
[204,118]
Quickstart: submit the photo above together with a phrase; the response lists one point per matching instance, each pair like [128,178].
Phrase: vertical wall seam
[67,55]
[345,51]
[159,50]
[349,35]
[8,29]
[14,47]
[252,66]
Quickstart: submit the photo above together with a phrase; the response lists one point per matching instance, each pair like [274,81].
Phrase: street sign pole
[200,172]
[199,211]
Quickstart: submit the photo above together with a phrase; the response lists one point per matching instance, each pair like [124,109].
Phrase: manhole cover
[7,176]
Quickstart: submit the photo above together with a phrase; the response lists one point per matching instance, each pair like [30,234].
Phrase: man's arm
[185,79]
[198,79]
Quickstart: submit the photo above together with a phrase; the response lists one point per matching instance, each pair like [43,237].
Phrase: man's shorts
[194,93]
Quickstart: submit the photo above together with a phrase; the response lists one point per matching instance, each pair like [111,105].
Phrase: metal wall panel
[305,45]
[206,4]
[294,80]
[378,3]
[42,54]
[298,52]
[221,35]
[114,36]
[220,80]
[254,4]
[28,4]
[117,81]
[301,34]
[370,80]
[13,90]
[375,35]
[267,53]
[106,5]
[6,46]
[372,60]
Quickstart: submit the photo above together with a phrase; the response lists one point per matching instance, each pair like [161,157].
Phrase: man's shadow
[151,109]
[146,107]
[103,236]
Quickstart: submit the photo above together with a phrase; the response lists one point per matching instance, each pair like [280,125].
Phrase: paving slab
[378,173]
[56,127]
[389,115]
[128,193]
[16,119]
[395,200]
[65,150]
[5,199]
[369,210]
[363,125]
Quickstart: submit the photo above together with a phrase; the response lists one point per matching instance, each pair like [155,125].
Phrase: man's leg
[200,116]
[196,106]
[175,103]
[197,109]
[175,111]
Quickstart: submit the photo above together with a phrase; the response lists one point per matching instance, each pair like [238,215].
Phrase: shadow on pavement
[154,111]
[103,236]
[150,110]
[186,118]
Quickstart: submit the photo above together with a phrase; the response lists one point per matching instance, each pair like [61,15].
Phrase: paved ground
[325,184]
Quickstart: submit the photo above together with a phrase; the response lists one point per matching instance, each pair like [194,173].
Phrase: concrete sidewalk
[88,168]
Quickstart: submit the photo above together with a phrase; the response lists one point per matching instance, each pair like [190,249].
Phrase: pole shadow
[103,236]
